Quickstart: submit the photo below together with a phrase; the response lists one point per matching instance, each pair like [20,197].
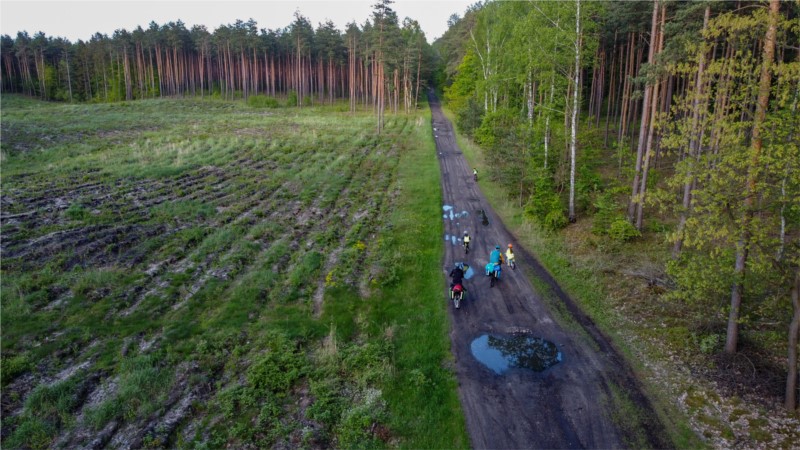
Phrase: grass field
[190,273]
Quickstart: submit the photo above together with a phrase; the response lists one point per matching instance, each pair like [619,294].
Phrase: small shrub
[622,231]
[33,434]
[291,99]
[277,371]
[656,226]
[329,400]
[709,344]
[417,378]
[355,428]
[389,271]
[605,215]
[544,205]
[262,101]
[12,366]
[47,410]
[555,220]
[270,413]
[76,211]
[107,411]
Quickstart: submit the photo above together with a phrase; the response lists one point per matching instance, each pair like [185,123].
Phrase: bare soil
[591,399]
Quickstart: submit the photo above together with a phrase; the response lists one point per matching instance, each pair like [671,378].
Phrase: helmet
[497,247]
[460,265]
[465,233]
[509,245]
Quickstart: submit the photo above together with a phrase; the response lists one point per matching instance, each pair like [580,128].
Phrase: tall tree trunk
[743,246]
[575,94]
[635,104]
[529,90]
[658,42]
[625,101]
[611,90]
[105,82]
[69,78]
[547,119]
[127,72]
[42,76]
[643,126]
[599,94]
[419,64]
[396,90]
[88,79]
[160,70]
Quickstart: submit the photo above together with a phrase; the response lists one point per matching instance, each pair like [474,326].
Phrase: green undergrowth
[267,276]
[584,278]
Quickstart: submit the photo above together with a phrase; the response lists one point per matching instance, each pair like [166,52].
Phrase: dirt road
[589,400]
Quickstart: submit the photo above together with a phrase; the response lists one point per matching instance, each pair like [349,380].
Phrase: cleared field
[199,273]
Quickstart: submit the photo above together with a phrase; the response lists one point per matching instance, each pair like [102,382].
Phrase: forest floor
[590,399]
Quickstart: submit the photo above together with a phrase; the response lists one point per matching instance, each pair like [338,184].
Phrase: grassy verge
[582,277]
[408,314]
[425,390]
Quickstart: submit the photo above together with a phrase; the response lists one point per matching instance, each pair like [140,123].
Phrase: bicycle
[457,295]
[494,273]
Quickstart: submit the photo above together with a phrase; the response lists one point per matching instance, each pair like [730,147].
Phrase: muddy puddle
[468,272]
[502,353]
[484,218]
[450,213]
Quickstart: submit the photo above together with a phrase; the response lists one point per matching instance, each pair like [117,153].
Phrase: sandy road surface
[569,405]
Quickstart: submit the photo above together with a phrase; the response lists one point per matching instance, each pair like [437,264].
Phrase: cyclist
[457,274]
[466,241]
[510,256]
[495,259]
[475,173]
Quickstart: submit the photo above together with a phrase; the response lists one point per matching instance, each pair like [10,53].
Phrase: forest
[669,122]
[657,140]
[238,60]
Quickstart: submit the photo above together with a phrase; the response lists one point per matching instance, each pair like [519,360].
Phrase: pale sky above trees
[76,20]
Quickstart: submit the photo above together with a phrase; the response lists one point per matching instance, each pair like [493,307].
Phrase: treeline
[380,61]
[679,114]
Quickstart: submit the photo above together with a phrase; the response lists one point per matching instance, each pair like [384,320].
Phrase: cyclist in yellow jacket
[510,257]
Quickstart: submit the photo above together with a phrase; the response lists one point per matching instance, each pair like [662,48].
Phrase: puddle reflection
[525,352]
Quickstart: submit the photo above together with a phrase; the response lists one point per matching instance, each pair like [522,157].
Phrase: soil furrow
[139,292]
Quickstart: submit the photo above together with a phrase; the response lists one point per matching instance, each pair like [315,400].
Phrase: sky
[76,20]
